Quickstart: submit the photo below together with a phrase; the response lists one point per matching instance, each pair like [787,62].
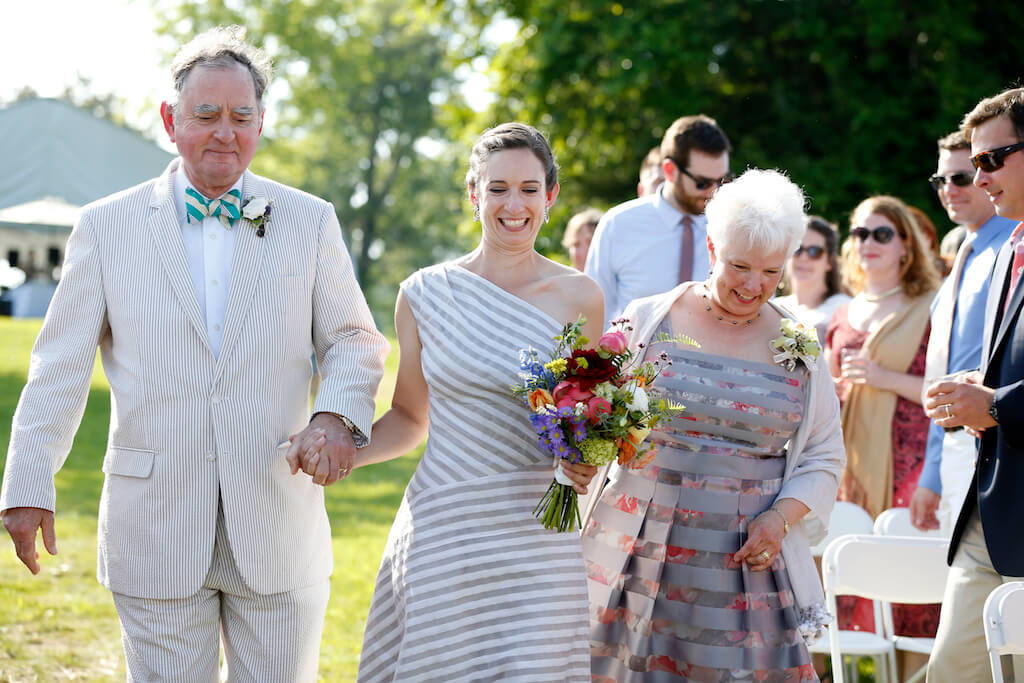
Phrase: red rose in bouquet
[589,369]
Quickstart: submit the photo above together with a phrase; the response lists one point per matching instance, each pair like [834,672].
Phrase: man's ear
[668,167]
[167,116]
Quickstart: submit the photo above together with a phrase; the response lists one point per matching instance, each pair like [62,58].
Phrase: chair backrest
[846,518]
[896,522]
[1004,625]
[888,568]
[1004,619]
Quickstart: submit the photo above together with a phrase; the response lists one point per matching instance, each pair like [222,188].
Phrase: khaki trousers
[960,654]
[266,637]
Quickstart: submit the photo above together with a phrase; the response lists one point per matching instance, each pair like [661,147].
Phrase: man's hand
[21,524]
[923,505]
[961,402]
[324,450]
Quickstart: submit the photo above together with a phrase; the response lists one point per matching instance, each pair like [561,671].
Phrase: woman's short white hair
[762,210]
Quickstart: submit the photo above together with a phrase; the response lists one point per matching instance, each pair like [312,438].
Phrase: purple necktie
[686,252]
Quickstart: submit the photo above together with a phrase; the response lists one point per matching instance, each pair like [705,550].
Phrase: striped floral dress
[471,586]
[668,603]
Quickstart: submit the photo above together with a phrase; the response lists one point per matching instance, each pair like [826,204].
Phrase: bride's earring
[546,216]
[476,213]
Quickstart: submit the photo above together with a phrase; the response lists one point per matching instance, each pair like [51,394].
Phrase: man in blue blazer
[985,550]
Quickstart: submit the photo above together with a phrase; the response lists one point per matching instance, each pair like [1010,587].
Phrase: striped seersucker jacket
[186,428]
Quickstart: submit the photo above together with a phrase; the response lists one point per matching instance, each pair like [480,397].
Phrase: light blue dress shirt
[635,251]
[965,339]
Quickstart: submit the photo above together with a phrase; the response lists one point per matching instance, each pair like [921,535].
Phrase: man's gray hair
[221,47]
[760,210]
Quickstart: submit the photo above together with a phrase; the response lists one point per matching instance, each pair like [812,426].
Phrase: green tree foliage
[848,96]
[361,121]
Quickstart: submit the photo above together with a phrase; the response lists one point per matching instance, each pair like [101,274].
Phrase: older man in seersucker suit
[207,308]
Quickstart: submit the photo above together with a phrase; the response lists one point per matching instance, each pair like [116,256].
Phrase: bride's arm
[404,425]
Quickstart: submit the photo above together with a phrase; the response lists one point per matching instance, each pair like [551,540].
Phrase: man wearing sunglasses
[958,313]
[650,244]
[985,549]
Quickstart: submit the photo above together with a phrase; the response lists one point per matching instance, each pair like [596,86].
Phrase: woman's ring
[948,415]
[766,556]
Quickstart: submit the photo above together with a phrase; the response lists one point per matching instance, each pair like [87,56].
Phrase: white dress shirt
[635,251]
[209,248]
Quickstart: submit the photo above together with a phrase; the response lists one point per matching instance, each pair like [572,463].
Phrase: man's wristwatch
[993,413]
[357,436]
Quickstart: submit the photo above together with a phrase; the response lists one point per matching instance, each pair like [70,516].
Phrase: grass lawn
[61,624]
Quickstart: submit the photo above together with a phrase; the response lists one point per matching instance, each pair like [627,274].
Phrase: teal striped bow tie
[226,207]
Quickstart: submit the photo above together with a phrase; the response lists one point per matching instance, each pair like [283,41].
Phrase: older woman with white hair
[699,565]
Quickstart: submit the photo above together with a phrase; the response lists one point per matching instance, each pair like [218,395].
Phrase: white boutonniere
[256,210]
[796,343]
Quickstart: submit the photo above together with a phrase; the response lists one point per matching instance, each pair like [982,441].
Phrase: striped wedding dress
[471,586]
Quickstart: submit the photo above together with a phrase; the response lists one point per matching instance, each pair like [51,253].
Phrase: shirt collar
[995,229]
[669,213]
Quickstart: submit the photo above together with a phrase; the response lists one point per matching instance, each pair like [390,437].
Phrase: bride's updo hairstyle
[511,136]
[760,210]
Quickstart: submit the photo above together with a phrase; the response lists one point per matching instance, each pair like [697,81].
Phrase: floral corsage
[796,343]
[256,210]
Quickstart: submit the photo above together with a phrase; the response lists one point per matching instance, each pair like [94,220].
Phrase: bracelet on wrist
[785,522]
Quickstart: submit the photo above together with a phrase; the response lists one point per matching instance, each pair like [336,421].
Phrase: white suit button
[216,400]
[210,457]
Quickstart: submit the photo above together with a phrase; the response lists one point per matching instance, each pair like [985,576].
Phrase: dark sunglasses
[959,179]
[994,159]
[701,182]
[814,252]
[883,234]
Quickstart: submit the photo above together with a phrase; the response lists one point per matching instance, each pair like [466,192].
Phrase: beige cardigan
[815,458]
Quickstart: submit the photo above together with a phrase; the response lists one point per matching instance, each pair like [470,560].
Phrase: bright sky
[47,44]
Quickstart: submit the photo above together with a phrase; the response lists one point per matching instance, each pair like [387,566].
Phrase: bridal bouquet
[590,405]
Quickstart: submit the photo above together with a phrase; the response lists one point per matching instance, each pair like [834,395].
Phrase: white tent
[55,158]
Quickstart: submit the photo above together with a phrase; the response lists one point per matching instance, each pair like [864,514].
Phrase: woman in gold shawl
[876,350]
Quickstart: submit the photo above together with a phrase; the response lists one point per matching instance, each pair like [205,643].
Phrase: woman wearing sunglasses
[812,276]
[876,350]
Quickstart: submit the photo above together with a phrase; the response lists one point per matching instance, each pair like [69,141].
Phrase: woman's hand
[764,541]
[580,473]
[859,369]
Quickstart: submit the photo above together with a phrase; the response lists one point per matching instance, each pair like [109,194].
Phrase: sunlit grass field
[61,625]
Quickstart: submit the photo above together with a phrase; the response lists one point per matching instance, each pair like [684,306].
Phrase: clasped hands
[960,401]
[324,450]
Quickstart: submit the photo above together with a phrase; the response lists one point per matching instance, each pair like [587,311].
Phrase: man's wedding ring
[948,415]
[766,556]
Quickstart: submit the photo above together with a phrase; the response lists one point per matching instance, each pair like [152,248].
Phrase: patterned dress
[909,441]
[667,602]
[471,586]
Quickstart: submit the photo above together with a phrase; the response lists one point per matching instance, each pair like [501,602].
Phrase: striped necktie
[226,207]
[1017,245]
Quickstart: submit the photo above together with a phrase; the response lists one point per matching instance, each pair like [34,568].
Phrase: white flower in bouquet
[636,396]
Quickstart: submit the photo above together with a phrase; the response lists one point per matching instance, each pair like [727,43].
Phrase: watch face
[992,412]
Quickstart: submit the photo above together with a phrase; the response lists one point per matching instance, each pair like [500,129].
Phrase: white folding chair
[885,569]
[1004,625]
[896,522]
[847,518]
